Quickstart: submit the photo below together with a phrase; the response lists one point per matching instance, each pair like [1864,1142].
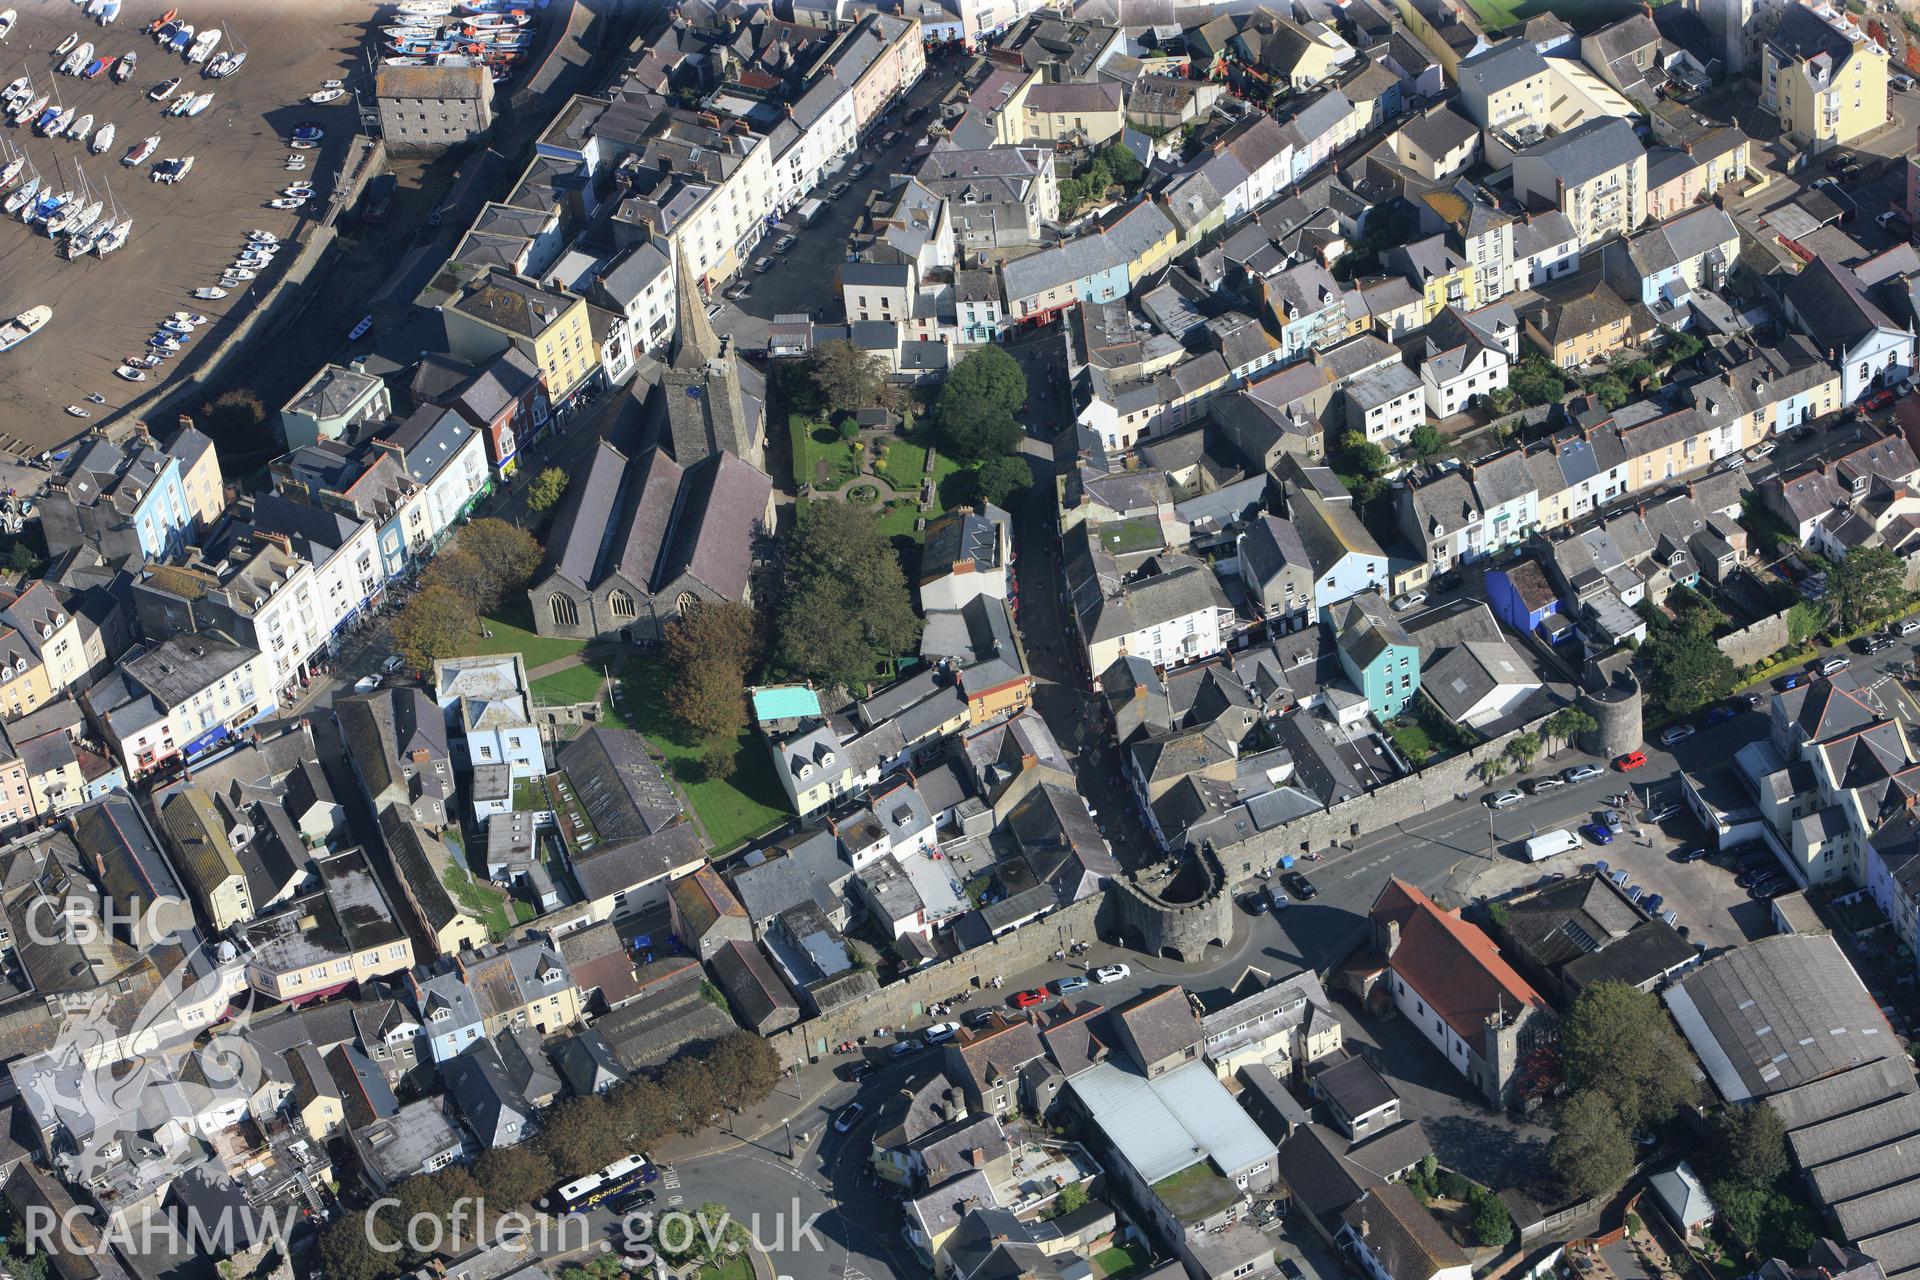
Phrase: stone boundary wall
[1750,644]
[899,1003]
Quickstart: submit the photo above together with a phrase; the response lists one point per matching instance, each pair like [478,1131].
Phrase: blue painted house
[1376,653]
[1309,308]
[125,497]
[449,1015]
[1522,597]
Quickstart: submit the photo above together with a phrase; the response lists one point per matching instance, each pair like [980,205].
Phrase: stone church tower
[714,403]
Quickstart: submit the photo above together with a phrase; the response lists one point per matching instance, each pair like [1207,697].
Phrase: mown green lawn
[820,457]
[1582,15]
[732,809]
[1120,1261]
[575,684]
[512,632]
[481,901]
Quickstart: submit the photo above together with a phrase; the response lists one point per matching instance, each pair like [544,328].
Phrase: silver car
[1582,772]
[1504,799]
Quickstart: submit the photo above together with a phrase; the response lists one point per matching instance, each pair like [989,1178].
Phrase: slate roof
[1407,1241]
[1587,151]
[1503,65]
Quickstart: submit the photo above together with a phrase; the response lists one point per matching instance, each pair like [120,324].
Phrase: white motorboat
[24,326]
[193,318]
[123,69]
[285,202]
[240,274]
[12,169]
[113,237]
[75,411]
[60,123]
[81,127]
[199,103]
[259,236]
[173,169]
[7,18]
[324,96]
[160,92]
[209,293]
[66,45]
[141,151]
[130,373]
[164,342]
[203,46]
[142,362]
[102,140]
[78,59]
[30,109]
[14,91]
[226,64]
[175,326]
[425,9]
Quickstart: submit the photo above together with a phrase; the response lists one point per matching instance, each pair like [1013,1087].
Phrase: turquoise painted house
[1376,654]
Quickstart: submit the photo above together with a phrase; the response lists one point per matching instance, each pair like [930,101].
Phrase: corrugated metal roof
[1173,1122]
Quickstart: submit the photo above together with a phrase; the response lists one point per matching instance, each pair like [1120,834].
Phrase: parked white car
[1111,973]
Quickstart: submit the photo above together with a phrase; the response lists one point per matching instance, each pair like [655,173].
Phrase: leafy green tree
[1523,749]
[1568,723]
[512,1176]
[546,489]
[710,651]
[989,376]
[1122,164]
[744,1066]
[696,1094]
[1685,669]
[1751,1145]
[1427,442]
[348,1253]
[975,414]
[438,622]
[579,1135]
[642,1110]
[1363,457]
[1537,380]
[1805,620]
[845,604]
[1773,1224]
[510,555]
[1616,1042]
[1072,1197]
[232,414]
[1680,346]
[1492,1224]
[1002,479]
[845,377]
[719,760]
[21,559]
[1590,1151]
[1609,391]
[1867,585]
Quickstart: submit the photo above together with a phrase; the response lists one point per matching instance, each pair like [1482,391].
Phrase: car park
[1076,982]
[1547,783]
[1754,875]
[1631,760]
[849,1116]
[1111,973]
[941,1031]
[1769,889]
[1582,772]
[1504,799]
[1834,665]
[1694,854]
[1298,885]
[1597,833]
[1676,735]
[1029,998]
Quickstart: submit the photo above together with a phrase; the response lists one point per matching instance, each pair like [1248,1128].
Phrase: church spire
[694,343]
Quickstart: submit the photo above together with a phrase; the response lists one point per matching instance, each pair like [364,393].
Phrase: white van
[1546,844]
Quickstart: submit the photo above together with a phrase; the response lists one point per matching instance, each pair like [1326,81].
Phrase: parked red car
[1027,999]
[1880,399]
[1631,760]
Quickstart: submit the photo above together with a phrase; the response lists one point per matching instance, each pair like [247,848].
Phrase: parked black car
[1298,885]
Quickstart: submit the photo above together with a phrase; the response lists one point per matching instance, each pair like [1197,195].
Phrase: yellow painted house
[1824,79]
[549,326]
[1442,275]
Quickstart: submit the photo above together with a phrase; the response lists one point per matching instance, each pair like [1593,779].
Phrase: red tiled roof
[1452,965]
